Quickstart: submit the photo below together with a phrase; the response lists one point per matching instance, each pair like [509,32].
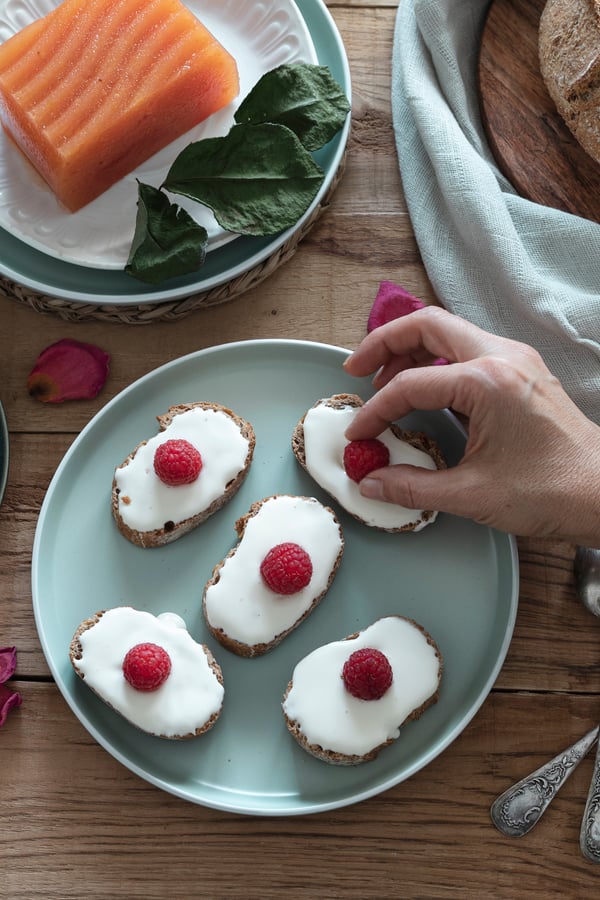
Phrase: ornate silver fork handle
[589,837]
[518,809]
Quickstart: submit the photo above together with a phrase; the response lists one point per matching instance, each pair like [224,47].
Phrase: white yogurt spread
[324,444]
[185,701]
[329,716]
[145,503]
[240,603]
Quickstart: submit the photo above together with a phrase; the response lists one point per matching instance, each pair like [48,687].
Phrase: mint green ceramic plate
[49,276]
[458,579]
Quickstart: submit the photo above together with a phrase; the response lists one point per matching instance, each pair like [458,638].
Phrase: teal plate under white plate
[4,452]
[458,579]
[53,277]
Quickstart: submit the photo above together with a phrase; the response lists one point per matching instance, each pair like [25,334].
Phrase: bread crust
[173,530]
[417,439]
[569,57]
[343,759]
[76,654]
[251,650]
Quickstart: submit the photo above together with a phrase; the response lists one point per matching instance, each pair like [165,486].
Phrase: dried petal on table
[8,662]
[8,700]
[8,697]
[393,302]
[68,370]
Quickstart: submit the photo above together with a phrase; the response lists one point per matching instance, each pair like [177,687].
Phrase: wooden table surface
[75,822]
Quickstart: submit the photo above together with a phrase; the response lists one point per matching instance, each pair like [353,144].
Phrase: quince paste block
[94,88]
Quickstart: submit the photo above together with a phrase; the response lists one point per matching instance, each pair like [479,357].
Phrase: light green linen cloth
[511,266]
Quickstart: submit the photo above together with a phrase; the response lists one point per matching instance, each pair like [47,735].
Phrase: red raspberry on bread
[367,674]
[146,666]
[177,462]
[364,456]
[286,568]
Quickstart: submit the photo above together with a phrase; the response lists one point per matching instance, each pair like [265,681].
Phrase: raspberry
[177,462]
[361,457]
[146,666]
[367,674]
[286,568]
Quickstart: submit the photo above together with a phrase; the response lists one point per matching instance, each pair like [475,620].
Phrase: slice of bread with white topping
[337,727]
[188,701]
[244,613]
[151,513]
[319,442]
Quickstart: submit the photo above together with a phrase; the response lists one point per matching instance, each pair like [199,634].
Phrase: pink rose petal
[8,662]
[393,302]
[68,370]
[8,699]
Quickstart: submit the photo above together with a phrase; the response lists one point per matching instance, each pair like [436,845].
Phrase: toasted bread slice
[413,447]
[241,611]
[336,727]
[150,513]
[186,705]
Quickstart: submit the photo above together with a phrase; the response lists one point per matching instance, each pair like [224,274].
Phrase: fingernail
[346,361]
[372,488]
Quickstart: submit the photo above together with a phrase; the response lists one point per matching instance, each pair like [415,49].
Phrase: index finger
[432,329]
[436,387]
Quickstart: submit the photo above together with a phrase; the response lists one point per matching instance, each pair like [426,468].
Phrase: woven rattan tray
[172,310]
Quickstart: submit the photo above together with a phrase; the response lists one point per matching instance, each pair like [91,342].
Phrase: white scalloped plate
[260,34]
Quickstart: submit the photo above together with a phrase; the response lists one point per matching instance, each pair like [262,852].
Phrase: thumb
[443,490]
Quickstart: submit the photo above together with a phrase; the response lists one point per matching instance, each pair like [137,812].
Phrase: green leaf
[258,179]
[303,97]
[166,242]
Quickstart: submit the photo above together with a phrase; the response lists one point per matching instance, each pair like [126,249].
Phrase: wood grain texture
[76,822]
[531,143]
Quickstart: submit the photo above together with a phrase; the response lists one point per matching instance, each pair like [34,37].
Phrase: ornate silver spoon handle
[518,809]
[589,838]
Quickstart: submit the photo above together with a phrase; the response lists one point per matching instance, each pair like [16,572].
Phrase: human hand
[532,460]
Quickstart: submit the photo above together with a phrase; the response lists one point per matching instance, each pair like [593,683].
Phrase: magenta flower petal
[68,370]
[8,699]
[392,302]
[8,662]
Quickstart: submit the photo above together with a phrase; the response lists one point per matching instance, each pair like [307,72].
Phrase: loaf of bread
[318,443]
[189,698]
[249,615]
[149,512]
[569,57]
[336,726]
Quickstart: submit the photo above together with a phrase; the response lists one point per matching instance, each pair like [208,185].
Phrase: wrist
[580,499]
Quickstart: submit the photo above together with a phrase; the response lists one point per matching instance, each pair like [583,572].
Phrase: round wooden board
[532,145]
